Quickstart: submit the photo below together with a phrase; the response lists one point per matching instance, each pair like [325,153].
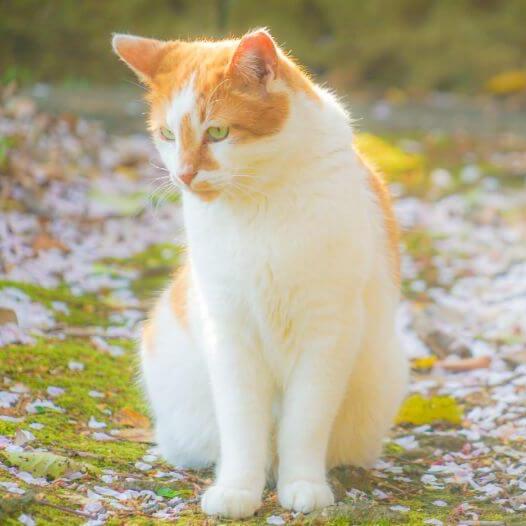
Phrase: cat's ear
[141,54]
[256,58]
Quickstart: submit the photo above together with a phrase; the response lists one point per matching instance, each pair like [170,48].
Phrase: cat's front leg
[242,398]
[313,396]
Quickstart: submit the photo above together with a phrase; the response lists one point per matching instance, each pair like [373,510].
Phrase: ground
[89,232]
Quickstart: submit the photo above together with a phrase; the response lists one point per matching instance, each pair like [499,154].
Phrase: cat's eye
[217,133]
[167,134]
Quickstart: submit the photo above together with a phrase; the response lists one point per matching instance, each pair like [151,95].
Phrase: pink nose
[187,177]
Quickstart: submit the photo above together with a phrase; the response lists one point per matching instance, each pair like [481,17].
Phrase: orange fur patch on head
[297,79]
[234,87]
[381,192]
[189,141]
[196,152]
[179,294]
[251,116]
[219,71]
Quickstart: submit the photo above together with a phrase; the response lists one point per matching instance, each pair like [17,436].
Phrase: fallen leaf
[421,364]
[22,437]
[46,242]
[170,493]
[515,359]
[393,162]
[124,204]
[418,410]
[144,436]
[45,464]
[507,82]
[8,316]
[131,418]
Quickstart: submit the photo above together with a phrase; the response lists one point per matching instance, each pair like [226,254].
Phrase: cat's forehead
[188,80]
[182,103]
[204,64]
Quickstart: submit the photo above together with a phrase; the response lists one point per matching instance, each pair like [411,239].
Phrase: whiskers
[162,191]
[242,183]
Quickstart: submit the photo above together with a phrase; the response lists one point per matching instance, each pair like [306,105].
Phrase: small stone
[95,424]
[143,466]
[55,391]
[75,366]
[276,520]
[22,437]
[26,520]
[36,425]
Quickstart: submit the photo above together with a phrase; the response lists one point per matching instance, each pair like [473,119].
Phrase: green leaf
[170,493]
[45,464]
[123,204]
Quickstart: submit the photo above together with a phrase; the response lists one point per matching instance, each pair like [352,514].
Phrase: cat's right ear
[256,58]
[142,55]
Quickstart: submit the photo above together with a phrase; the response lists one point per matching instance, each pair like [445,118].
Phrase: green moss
[83,310]
[154,265]
[155,256]
[46,364]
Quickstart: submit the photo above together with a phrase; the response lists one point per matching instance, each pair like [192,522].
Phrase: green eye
[217,133]
[167,133]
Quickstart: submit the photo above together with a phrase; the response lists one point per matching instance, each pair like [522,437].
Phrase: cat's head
[218,109]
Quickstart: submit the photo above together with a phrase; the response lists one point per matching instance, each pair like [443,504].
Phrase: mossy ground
[47,362]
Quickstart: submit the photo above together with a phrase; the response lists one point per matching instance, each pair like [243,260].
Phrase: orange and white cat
[274,348]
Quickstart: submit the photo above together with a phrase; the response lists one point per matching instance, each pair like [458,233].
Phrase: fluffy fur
[274,349]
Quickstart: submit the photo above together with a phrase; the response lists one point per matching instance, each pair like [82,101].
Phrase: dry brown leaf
[142,435]
[466,364]
[131,418]
[8,316]
[46,242]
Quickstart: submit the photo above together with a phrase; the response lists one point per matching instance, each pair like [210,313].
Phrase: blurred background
[399,51]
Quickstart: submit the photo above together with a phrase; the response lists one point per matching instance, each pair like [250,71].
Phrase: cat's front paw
[304,496]
[230,503]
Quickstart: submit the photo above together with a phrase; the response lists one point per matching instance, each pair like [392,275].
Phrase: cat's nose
[187,177]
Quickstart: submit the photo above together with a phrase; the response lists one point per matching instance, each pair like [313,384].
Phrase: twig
[65,509]
[80,332]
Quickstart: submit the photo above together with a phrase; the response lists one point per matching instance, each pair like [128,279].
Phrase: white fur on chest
[284,263]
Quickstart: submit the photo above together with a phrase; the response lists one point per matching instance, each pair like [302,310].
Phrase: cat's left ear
[142,55]
[256,58]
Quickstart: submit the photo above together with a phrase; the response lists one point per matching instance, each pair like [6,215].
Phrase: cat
[274,349]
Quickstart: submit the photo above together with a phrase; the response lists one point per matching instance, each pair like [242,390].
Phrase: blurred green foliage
[408,44]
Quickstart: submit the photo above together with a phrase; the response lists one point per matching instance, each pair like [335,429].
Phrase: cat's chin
[205,192]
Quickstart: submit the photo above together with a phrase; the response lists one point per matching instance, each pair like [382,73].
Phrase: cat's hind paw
[231,503]
[304,496]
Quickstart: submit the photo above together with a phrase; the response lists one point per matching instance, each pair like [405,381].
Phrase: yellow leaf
[394,163]
[507,82]
[421,364]
[418,410]
[129,417]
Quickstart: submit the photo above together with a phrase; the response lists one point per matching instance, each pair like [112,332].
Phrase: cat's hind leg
[376,388]
[176,381]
